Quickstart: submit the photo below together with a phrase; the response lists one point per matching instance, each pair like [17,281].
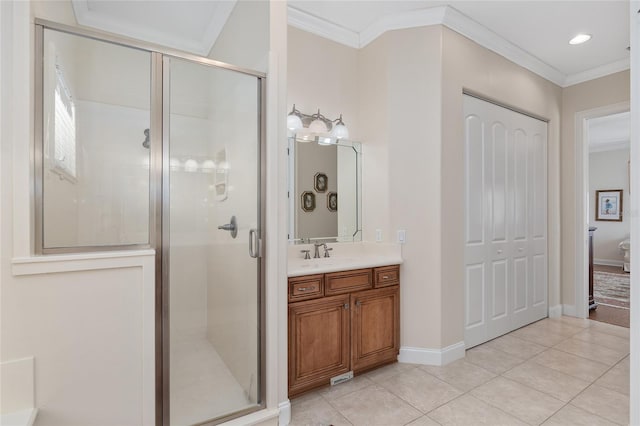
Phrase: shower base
[202,387]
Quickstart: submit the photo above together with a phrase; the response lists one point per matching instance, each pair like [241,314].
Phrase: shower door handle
[232,227]
[254,244]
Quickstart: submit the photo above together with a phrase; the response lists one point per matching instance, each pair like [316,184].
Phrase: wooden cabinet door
[318,341]
[375,327]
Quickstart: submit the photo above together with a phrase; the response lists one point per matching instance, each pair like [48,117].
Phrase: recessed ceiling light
[580,38]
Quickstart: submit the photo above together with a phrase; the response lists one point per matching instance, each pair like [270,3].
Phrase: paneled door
[505,220]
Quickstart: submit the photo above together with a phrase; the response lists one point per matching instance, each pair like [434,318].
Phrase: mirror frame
[291,194]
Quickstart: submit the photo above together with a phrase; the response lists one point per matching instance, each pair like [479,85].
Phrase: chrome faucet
[327,250]
[316,253]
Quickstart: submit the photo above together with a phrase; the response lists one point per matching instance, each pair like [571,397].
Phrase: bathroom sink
[324,262]
[345,257]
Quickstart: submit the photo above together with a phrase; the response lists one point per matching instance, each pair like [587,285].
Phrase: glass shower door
[214,271]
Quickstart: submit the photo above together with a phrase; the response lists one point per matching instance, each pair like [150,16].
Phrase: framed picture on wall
[609,205]
[320,182]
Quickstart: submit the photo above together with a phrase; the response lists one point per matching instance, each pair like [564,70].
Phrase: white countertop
[344,256]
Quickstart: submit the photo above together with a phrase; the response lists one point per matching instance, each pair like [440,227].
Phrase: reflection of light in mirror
[191,165]
[224,165]
[303,135]
[208,166]
[324,140]
[174,164]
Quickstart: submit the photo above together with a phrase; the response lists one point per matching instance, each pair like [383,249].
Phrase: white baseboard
[555,311]
[431,356]
[608,262]
[285,413]
[569,310]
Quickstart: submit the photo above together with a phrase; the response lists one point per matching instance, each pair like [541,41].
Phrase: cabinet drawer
[307,287]
[386,276]
[345,282]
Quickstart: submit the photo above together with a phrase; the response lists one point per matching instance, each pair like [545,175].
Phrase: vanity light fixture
[580,38]
[315,127]
[340,131]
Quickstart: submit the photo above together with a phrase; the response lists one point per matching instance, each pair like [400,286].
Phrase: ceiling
[534,34]
[540,30]
[610,132]
[191,26]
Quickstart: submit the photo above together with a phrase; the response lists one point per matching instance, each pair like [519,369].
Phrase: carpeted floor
[611,292]
[611,288]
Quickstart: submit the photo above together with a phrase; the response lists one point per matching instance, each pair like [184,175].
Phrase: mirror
[324,191]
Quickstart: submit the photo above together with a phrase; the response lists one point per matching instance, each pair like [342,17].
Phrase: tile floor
[561,371]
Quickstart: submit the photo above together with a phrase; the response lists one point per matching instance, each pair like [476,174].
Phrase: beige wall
[413,138]
[609,90]
[373,98]
[244,39]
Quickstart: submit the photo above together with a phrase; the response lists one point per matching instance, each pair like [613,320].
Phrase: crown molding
[399,21]
[456,21]
[320,27]
[601,71]
[89,18]
[485,37]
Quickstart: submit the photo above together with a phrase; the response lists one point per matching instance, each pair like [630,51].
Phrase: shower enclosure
[140,147]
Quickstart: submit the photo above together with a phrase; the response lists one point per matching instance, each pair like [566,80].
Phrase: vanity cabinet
[331,334]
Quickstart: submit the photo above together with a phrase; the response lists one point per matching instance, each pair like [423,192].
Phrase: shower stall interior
[140,147]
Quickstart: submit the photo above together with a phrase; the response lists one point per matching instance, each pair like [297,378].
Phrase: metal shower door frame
[162,167]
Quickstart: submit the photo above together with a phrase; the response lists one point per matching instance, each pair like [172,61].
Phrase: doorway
[608,169]
[609,146]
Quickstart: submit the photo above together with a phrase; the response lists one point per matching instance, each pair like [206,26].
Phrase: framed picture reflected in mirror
[320,182]
[332,201]
[308,201]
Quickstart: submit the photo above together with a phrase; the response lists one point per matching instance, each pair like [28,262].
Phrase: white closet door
[505,220]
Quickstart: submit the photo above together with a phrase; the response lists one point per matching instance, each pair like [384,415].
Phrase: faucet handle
[327,250]
[306,253]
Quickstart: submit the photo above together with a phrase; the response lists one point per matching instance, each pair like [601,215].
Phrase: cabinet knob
[358,303]
[303,288]
[385,277]
[346,306]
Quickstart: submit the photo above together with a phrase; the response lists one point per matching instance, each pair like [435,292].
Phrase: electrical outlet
[402,236]
[378,235]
